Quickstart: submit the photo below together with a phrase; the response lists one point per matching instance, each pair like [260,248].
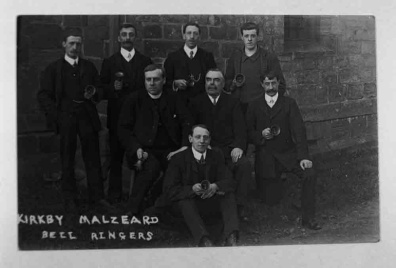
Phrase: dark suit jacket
[133,80]
[225,121]
[138,122]
[289,147]
[182,174]
[268,62]
[176,67]
[51,86]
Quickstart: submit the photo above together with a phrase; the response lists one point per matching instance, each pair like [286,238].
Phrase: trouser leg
[91,155]
[241,171]
[117,156]
[229,212]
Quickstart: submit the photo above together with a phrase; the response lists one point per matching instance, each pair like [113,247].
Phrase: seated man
[222,114]
[276,128]
[198,182]
[152,127]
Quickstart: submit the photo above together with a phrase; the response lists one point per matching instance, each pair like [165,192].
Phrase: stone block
[372,124]
[214,20]
[269,27]
[152,31]
[49,143]
[287,66]
[355,91]
[308,63]
[341,61]
[204,35]
[358,126]
[278,45]
[320,112]
[73,21]
[94,48]
[368,47]
[235,20]
[96,33]
[325,24]
[200,19]
[160,48]
[44,36]
[183,19]
[27,145]
[367,75]
[221,64]
[364,34]
[321,94]
[173,31]
[329,77]
[350,47]
[228,48]
[340,129]
[211,47]
[305,94]
[355,21]
[223,33]
[337,92]
[98,20]
[290,78]
[370,90]
[316,130]
[358,107]
[356,60]
[325,63]
[370,61]
[329,42]
[308,77]
[349,76]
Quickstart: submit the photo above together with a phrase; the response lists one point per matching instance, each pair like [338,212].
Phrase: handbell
[275,130]
[205,185]
[119,76]
[90,89]
[240,78]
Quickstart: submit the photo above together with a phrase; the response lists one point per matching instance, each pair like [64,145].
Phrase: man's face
[270,86]
[200,139]
[154,81]
[214,83]
[126,38]
[72,46]
[191,36]
[249,38]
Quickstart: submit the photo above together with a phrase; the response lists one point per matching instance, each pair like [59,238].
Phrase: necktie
[75,64]
[191,54]
[129,56]
[214,101]
[202,160]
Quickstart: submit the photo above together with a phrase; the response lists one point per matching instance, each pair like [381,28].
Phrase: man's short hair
[270,75]
[198,125]
[153,67]
[125,26]
[215,70]
[250,26]
[71,31]
[191,24]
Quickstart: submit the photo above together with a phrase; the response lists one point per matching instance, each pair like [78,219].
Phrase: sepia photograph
[210,130]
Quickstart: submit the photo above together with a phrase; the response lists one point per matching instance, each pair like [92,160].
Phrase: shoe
[205,242]
[311,224]
[232,239]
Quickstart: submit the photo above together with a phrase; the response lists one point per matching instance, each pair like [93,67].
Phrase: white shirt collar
[70,60]
[269,98]
[197,155]
[188,50]
[155,97]
[125,53]
[214,98]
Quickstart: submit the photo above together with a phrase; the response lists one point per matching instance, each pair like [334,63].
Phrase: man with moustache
[188,173]
[251,61]
[153,126]
[186,67]
[223,116]
[276,128]
[68,95]
[122,74]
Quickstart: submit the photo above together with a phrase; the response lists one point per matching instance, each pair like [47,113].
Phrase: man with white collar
[199,184]
[186,67]
[276,128]
[121,74]
[153,126]
[246,65]
[223,115]
[68,95]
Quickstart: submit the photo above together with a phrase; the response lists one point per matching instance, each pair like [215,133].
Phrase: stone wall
[333,79]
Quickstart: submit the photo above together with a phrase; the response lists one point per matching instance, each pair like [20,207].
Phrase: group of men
[186,119]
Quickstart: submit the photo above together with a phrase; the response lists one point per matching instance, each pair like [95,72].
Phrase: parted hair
[250,26]
[153,67]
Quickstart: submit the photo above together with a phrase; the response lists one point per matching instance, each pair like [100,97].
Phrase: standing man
[186,67]
[153,126]
[198,183]
[276,128]
[246,65]
[68,95]
[122,74]
[223,116]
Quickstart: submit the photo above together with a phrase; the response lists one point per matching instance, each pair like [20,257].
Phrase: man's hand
[141,154]
[305,163]
[179,84]
[169,156]
[211,191]
[235,83]
[236,153]
[117,85]
[267,133]
[197,189]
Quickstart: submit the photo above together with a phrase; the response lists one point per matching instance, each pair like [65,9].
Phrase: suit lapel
[277,107]
[58,86]
[208,164]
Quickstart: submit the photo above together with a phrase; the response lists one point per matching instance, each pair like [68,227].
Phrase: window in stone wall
[302,33]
